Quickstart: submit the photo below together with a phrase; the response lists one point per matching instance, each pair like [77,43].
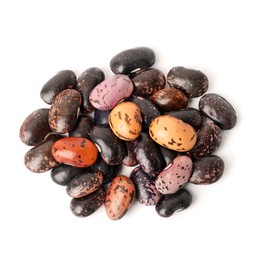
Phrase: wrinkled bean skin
[130,60]
[208,140]
[87,205]
[207,170]
[192,82]
[63,113]
[63,173]
[130,158]
[109,171]
[172,133]
[76,151]
[64,79]
[101,117]
[146,192]
[125,120]
[172,203]
[87,80]
[148,155]
[87,181]
[35,127]
[147,82]
[112,149]
[174,176]
[39,158]
[82,127]
[219,110]
[168,155]
[190,116]
[120,197]
[148,110]
[169,99]
[110,92]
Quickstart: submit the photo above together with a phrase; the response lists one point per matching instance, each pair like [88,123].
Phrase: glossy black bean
[168,155]
[146,193]
[207,170]
[148,110]
[112,149]
[219,110]
[130,158]
[208,140]
[109,171]
[147,82]
[87,205]
[192,82]
[63,173]
[62,80]
[35,127]
[87,80]
[172,203]
[101,117]
[148,155]
[39,158]
[132,59]
[190,116]
[82,127]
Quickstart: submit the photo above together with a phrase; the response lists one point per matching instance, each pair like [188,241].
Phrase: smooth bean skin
[207,170]
[87,205]
[134,59]
[83,126]
[40,159]
[146,193]
[219,110]
[172,203]
[65,79]
[87,80]
[35,127]
[63,113]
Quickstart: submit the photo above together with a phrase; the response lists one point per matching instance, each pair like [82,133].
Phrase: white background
[221,38]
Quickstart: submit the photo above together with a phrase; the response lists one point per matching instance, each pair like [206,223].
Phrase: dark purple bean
[82,127]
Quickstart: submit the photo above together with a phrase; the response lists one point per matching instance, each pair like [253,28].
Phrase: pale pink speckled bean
[174,176]
[111,91]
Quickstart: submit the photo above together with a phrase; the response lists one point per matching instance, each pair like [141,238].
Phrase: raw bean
[120,197]
[82,127]
[172,203]
[218,110]
[87,205]
[39,158]
[87,181]
[192,82]
[110,92]
[148,155]
[131,60]
[112,149]
[172,133]
[109,171]
[146,193]
[174,176]
[169,99]
[61,81]
[168,155]
[63,113]
[63,173]
[190,116]
[35,127]
[101,117]
[125,120]
[76,151]
[147,82]
[87,80]
[130,158]
[207,170]
[208,140]
[148,110]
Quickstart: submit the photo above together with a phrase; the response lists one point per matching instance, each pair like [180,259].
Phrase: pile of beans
[138,118]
